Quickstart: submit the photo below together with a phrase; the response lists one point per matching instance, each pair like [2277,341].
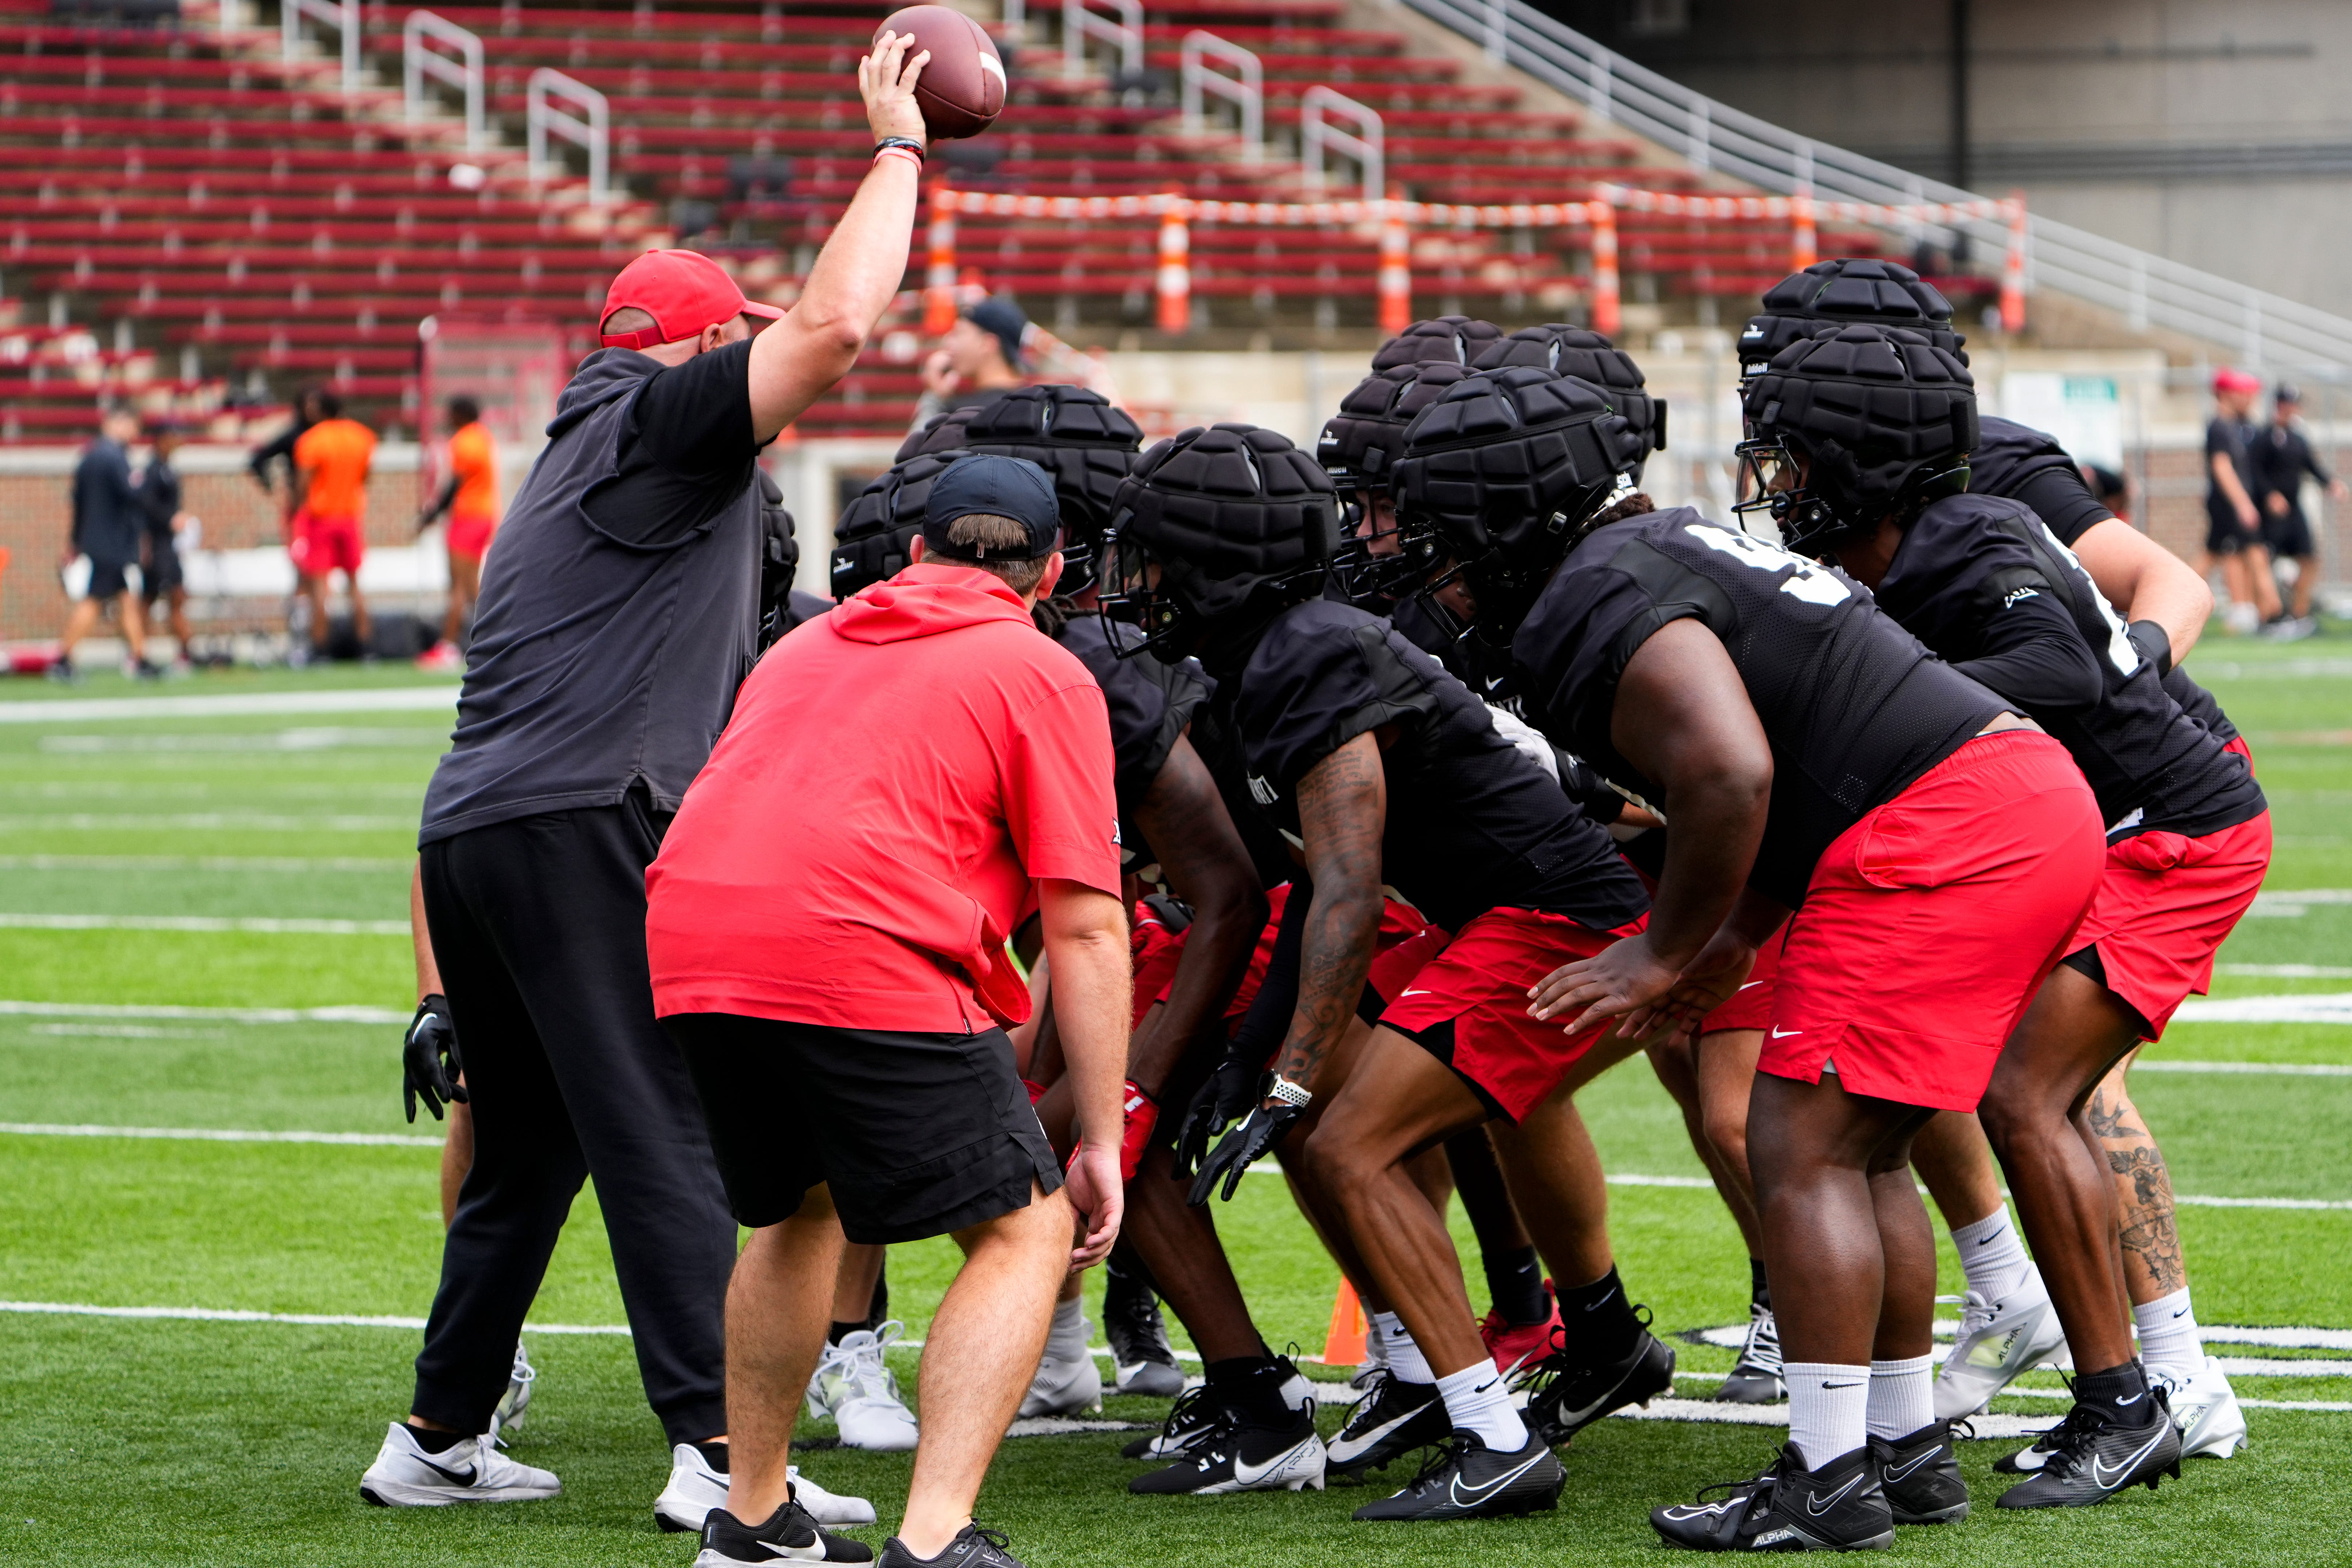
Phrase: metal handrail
[592,133]
[418,61]
[1366,146]
[2148,290]
[1079,24]
[1245,89]
[343,15]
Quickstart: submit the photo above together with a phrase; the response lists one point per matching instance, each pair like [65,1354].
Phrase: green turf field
[272,850]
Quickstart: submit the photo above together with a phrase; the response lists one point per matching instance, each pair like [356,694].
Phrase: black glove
[430,1038]
[1258,1136]
[1229,1092]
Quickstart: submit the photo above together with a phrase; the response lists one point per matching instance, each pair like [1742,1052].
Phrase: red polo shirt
[896,775]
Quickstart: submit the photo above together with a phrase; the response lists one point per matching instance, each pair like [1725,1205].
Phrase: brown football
[962,88]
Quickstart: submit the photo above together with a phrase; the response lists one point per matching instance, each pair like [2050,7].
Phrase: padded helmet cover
[1507,462]
[1877,410]
[1847,289]
[870,541]
[1589,356]
[1232,513]
[1361,443]
[1073,433]
[1451,340]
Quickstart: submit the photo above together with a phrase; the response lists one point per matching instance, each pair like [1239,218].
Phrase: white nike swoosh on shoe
[1486,1489]
[1365,1443]
[1248,1475]
[1817,1506]
[1900,1472]
[2099,1472]
[782,1551]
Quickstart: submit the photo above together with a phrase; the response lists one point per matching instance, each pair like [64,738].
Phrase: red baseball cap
[2231,380]
[683,290]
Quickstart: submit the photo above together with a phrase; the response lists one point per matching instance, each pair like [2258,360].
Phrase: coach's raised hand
[886,80]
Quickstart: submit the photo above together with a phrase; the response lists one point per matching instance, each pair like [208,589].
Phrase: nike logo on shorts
[1780,1033]
[1403,995]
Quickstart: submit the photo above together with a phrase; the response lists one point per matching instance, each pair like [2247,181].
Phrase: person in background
[471,497]
[263,463]
[2281,458]
[161,579]
[2234,523]
[106,518]
[332,461]
[980,357]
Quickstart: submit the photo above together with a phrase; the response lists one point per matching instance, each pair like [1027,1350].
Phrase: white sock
[1829,1408]
[2169,1342]
[1902,1396]
[1993,1253]
[1476,1401]
[1067,1340]
[1405,1361]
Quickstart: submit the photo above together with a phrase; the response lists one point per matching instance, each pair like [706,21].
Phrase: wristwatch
[1289,1093]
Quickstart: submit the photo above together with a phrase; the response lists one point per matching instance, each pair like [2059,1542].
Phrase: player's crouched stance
[1939,851]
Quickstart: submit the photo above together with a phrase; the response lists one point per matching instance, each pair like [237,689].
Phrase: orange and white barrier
[1393,221]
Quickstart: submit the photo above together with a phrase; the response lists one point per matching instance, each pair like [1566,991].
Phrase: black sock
[1250,1387]
[1599,1319]
[2120,1394]
[879,1312]
[434,1442]
[840,1331]
[1758,1292]
[1515,1282]
[714,1455]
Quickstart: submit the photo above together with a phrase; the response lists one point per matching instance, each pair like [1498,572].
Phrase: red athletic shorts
[1400,922]
[2238,744]
[1156,950]
[470,536]
[2163,908]
[1468,1005]
[1929,924]
[324,545]
[1751,1006]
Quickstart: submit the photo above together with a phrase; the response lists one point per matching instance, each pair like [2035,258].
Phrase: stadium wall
[2215,132]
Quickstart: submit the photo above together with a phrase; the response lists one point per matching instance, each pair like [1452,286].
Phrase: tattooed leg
[2150,1232]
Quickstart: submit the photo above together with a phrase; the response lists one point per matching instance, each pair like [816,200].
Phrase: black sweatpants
[539,925]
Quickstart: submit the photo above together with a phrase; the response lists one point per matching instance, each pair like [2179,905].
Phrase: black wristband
[909,143]
[2154,643]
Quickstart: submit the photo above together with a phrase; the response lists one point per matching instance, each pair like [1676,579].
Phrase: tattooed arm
[1342,813]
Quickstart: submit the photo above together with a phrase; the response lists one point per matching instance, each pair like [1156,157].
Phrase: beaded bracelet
[905,144]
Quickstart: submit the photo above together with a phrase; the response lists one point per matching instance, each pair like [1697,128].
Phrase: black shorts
[2224,535]
[916,1135]
[162,574]
[2288,537]
[108,579]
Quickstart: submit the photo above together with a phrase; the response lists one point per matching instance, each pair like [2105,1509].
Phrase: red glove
[1142,1115]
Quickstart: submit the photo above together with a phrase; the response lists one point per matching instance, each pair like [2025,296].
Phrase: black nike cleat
[1467,1480]
[2026,1461]
[1392,1419]
[1141,1358]
[1754,1378]
[976,1546]
[1838,1507]
[2094,1458]
[790,1533]
[1921,1475]
[1240,1458]
[1566,1394]
[1191,1419]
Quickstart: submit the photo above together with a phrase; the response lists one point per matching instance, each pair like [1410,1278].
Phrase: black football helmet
[1846,288]
[1449,340]
[871,537]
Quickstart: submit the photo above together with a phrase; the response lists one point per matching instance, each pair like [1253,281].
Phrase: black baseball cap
[1001,320]
[1002,487]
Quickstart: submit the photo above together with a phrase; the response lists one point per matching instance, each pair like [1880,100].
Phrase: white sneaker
[2205,1408]
[695,1489]
[1997,1340]
[854,1384]
[1062,1387]
[470,1470]
[507,1416]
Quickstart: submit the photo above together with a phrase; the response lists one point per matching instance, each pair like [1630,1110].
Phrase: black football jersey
[1854,707]
[1474,823]
[1150,703]
[1982,581]
[2024,465]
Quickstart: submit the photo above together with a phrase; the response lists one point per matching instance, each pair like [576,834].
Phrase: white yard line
[217,1134]
[264,925]
[1734,1336]
[2258,1069]
[2311,1007]
[346,1014]
[198,822]
[366,699]
[290,863]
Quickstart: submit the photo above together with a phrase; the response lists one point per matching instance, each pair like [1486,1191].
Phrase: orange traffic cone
[1344,1345]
